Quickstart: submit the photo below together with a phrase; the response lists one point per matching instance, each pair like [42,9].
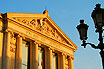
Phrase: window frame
[55,54]
[28,52]
[43,55]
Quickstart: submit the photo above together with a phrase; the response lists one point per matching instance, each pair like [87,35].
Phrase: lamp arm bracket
[92,45]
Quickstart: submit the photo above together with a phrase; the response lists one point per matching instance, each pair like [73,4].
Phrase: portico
[38,39]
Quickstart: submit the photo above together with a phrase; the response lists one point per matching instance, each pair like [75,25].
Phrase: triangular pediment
[43,24]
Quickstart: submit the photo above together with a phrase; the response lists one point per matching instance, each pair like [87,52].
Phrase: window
[55,60]
[41,58]
[25,51]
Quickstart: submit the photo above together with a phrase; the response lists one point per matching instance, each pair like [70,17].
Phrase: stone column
[49,58]
[31,55]
[35,55]
[6,52]
[59,61]
[46,58]
[70,62]
[1,43]
[19,53]
[62,61]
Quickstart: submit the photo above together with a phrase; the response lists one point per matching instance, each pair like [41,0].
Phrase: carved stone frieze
[30,22]
[41,25]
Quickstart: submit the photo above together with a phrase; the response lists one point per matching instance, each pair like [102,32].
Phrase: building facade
[34,41]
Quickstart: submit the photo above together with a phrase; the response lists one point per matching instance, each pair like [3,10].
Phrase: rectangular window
[41,58]
[25,51]
[54,60]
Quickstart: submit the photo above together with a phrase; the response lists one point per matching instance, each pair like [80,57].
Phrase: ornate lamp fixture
[82,29]
[98,18]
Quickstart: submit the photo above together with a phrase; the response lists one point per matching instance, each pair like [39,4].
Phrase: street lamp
[98,18]
[82,29]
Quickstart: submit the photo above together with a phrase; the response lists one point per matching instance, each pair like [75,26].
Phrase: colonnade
[33,55]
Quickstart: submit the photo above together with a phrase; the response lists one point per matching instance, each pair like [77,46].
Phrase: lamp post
[98,18]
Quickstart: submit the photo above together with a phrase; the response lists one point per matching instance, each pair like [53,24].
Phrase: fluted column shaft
[62,61]
[35,55]
[19,53]
[49,58]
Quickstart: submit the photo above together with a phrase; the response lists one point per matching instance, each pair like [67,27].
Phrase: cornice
[61,32]
[40,15]
[0,15]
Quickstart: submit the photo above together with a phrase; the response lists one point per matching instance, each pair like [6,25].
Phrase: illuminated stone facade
[34,41]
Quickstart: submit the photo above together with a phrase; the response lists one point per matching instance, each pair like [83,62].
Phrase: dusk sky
[66,14]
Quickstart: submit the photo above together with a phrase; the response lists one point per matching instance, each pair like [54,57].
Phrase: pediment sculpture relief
[41,25]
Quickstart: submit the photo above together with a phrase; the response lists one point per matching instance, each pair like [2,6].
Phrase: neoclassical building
[34,41]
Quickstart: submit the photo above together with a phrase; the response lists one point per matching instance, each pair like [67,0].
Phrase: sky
[66,14]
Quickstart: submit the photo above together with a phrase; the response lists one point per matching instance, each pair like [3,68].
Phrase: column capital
[71,57]
[36,42]
[6,31]
[18,36]
[19,52]
[50,48]
[63,54]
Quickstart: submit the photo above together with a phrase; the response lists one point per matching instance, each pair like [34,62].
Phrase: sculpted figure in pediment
[38,25]
[33,23]
[45,27]
[53,32]
[27,22]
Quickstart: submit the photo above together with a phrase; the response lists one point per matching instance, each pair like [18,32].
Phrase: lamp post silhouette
[98,18]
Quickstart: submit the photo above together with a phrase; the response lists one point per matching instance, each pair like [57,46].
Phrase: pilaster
[6,51]
[1,42]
